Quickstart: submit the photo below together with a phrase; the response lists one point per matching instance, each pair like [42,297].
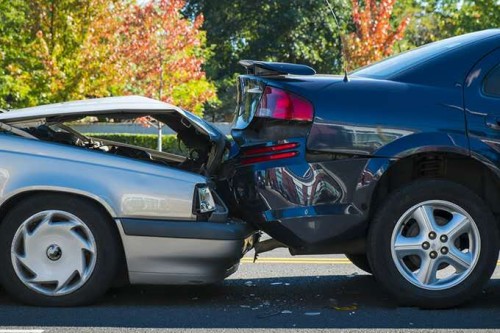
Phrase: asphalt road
[278,292]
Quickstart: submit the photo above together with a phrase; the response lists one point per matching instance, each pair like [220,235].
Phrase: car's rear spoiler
[264,68]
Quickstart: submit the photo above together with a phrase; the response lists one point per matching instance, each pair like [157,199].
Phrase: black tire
[360,261]
[380,235]
[106,241]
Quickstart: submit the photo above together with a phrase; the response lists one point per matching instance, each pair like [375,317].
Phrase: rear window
[401,62]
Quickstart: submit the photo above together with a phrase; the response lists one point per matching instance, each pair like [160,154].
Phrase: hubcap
[435,245]
[53,252]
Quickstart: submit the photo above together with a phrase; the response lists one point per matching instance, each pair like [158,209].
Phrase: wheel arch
[450,165]
[11,199]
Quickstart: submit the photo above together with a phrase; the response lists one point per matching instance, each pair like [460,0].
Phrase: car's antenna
[341,41]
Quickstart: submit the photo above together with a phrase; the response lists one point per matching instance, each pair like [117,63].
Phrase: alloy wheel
[435,245]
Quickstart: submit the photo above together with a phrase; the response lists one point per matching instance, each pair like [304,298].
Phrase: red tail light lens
[270,149]
[270,153]
[280,104]
[267,158]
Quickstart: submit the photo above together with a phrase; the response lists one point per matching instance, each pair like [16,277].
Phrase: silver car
[79,213]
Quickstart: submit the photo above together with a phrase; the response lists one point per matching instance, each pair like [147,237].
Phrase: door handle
[493,122]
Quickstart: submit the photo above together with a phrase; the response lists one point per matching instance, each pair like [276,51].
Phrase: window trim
[485,79]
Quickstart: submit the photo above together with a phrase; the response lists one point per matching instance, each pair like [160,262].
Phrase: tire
[360,261]
[403,264]
[59,238]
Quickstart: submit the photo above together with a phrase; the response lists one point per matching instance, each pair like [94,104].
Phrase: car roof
[479,41]
[89,107]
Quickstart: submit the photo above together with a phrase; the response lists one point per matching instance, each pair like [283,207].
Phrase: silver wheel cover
[53,253]
[435,245]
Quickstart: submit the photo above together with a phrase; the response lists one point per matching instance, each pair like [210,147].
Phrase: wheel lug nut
[433,255]
[444,250]
[426,245]
[432,235]
[443,238]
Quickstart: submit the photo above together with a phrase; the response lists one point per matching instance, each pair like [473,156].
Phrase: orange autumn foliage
[375,36]
[165,54]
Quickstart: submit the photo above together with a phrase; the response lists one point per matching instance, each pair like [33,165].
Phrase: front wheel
[433,244]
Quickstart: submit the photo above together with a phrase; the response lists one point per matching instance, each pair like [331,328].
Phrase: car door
[482,105]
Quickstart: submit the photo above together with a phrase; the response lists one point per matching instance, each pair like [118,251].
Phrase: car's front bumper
[183,252]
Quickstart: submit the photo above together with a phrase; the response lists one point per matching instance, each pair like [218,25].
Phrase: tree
[52,51]
[438,19]
[59,30]
[374,35]
[15,62]
[165,52]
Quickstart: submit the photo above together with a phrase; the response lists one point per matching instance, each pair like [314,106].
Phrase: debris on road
[312,313]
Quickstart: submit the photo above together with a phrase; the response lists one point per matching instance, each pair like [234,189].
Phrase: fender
[425,142]
[384,158]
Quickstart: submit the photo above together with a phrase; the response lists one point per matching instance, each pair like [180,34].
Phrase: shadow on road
[301,302]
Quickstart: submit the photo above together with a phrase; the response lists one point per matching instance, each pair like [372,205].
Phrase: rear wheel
[433,244]
[360,261]
[57,250]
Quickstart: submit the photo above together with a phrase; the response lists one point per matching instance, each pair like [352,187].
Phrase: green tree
[438,19]
[57,50]
[15,62]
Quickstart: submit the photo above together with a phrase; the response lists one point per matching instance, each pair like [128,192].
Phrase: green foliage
[438,19]
[54,51]
[15,79]
[169,142]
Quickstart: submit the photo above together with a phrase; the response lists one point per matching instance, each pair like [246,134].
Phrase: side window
[491,84]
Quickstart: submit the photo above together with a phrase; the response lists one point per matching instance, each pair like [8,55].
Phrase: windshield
[401,62]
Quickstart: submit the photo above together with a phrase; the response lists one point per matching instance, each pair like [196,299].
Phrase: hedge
[169,142]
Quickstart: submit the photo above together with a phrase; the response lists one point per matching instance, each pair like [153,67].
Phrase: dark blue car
[396,165]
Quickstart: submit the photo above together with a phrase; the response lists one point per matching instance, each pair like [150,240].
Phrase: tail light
[280,104]
[269,153]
